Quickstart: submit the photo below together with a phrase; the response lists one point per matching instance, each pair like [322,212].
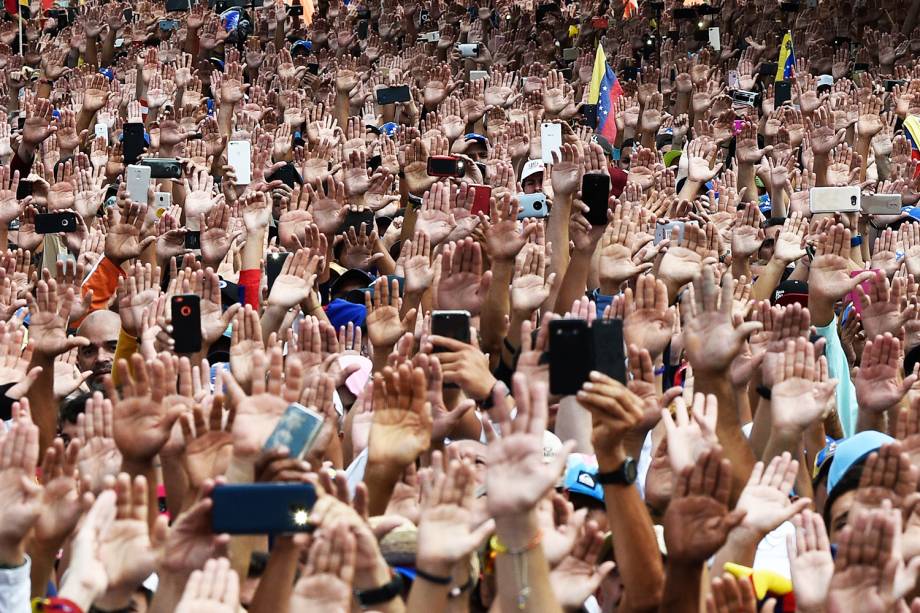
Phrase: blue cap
[341,312]
[233,19]
[108,73]
[306,44]
[479,138]
[913,211]
[851,452]
[581,478]
[389,128]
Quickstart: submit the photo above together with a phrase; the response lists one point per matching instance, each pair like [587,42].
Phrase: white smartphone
[100,129]
[430,37]
[550,141]
[715,39]
[477,75]
[664,228]
[239,155]
[570,54]
[161,203]
[834,199]
[138,180]
[881,204]
[468,49]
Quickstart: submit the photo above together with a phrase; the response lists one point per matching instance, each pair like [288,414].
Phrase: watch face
[630,471]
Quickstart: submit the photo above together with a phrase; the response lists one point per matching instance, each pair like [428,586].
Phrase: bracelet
[764,392]
[660,370]
[459,590]
[55,604]
[432,578]
[379,595]
[856,241]
[500,548]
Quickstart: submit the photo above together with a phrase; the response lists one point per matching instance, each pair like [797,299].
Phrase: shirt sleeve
[102,280]
[127,345]
[250,280]
[838,368]
[16,588]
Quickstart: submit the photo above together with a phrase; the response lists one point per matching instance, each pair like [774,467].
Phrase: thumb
[748,328]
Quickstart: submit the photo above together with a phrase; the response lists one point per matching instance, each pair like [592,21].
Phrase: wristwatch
[379,595]
[625,475]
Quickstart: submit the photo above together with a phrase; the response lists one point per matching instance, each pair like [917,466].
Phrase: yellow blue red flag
[786,65]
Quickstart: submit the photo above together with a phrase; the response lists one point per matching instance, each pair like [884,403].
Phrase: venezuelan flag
[786,65]
[603,91]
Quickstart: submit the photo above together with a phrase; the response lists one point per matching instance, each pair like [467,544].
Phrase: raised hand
[463,284]
[327,581]
[99,457]
[295,283]
[799,397]
[810,561]
[48,322]
[530,286]
[216,589]
[648,321]
[765,498]
[22,497]
[876,381]
[690,435]
[123,240]
[384,326]
[401,429]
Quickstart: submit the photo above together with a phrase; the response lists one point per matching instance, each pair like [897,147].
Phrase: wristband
[379,595]
[55,604]
[764,392]
[856,241]
[459,590]
[500,548]
[432,578]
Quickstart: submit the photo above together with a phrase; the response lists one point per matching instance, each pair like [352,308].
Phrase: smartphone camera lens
[538,206]
[185,311]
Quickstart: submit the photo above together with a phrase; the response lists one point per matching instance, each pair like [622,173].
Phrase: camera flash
[300,517]
[700,25]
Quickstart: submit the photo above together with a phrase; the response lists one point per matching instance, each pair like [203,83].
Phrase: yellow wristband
[499,547]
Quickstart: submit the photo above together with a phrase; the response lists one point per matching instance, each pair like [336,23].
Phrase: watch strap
[384,593]
[618,476]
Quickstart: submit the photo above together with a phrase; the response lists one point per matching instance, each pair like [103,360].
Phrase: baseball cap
[532,167]
[851,452]
[341,312]
[479,138]
[352,275]
[791,291]
[581,477]
[618,179]
[825,80]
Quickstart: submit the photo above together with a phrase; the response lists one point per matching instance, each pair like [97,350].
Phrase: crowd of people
[417,222]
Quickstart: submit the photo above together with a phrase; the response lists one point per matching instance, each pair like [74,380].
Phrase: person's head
[532,176]
[67,417]
[474,452]
[101,329]
[771,229]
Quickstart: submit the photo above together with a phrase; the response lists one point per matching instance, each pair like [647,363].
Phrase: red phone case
[481,199]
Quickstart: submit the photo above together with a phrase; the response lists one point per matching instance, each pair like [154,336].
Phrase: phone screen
[569,355]
[186,323]
[595,192]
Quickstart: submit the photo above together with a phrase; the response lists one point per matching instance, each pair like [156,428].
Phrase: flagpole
[19,15]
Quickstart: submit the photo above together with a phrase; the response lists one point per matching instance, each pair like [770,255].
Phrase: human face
[840,514]
[99,354]
[533,183]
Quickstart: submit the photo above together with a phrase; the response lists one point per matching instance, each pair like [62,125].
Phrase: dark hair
[73,407]
[847,483]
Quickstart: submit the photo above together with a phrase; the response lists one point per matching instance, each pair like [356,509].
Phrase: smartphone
[391,95]
[881,204]
[482,196]
[789,7]
[138,180]
[715,39]
[478,75]
[569,355]
[664,227]
[161,203]
[262,508]
[163,168]
[446,166]
[100,129]
[589,115]
[297,430]
[451,324]
[362,29]
[734,81]
[608,348]
[570,54]
[273,264]
[52,223]
[631,73]
[25,189]
[239,156]
[860,67]
[193,239]
[134,143]
[890,84]
[768,70]
[169,24]
[595,192]
[782,92]
[186,322]
[430,37]
[354,220]
[741,97]
[551,141]
[468,49]
[288,175]
[532,206]
[834,199]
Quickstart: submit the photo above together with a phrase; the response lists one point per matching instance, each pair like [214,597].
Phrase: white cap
[825,79]
[532,167]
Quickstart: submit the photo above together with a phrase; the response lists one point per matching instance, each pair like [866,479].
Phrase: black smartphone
[313,68]
[789,7]
[631,73]
[451,324]
[595,192]
[701,36]
[362,29]
[354,219]
[192,239]
[374,162]
[860,67]
[295,9]
[25,189]
[609,351]
[273,264]
[52,223]
[782,92]
[445,166]
[391,95]
[163,168]
[262,508]
[288,175]
[768,70]
[133,144]
[891,83]
[589,115]
[684,13]
[569,355]
[186,323]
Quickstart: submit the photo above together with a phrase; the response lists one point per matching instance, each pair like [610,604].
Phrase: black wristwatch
[625,475]
[379,595]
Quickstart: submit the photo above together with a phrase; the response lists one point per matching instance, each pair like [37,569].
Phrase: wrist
[12,555]
[482,387]
[611,457]
[517,531]
[374,577]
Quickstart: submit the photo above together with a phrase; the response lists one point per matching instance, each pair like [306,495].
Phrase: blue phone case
[262,508]
[296,430]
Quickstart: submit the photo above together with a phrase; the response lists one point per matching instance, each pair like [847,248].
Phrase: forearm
[145,468]
[169,592]
[741,267]
[380,481]
[272,320]
[92,52]
[574,281]
[746,178]
[522,574]
[778,202]
[274,592]
[782,438]
[342,108]
[557,233]
[42,403]
[682,588]
[820,165]
[108,47]
[43,556]
[768,280]
[573,422]
[191,41]
[252,250]
[176,484]
[739,548]
[728,430]
[496,305]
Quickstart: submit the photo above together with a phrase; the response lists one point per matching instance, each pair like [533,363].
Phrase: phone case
[550,141]
[273,264]
[881,204]
[51,223]
[608,348]
[163,168]
[262,508]
[445,166]
[239,155]
[133,144]
[138,181]
[532,205]
[834,199]
[569,355]
[595,192]
[297,430]
[451,324]
[186,322]
[663,230]
[482,195]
